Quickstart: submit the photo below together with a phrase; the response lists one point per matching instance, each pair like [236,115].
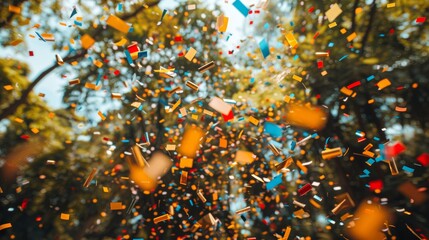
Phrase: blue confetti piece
[78,23]
[142,54]
[343,57]
[227,38]
[276,144]
[370,161]
[370,78]
[295,57]
[273,183]
[331,44]
[241,7]
[292,145]
[120,7]
[192,203]
[125,141]
[40,36]
[291,23]
[129,58]
[376,139]
[317,198]
[74,12]
[408,169]
[265,49]
[131,29]
[266,25]
[98,78]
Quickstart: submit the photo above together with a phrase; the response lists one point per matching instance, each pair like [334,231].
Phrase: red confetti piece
[311,10]
[353,85]
[304,189]
[319,64]
[316,35]
[395,149]
[376,185]
[420,19]
[178,38]
[31,53]
[423,159]
[25,136]
[228,117]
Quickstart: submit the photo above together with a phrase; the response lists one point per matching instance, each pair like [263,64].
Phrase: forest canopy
[238,119]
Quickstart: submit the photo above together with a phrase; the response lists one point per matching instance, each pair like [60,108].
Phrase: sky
[44,55]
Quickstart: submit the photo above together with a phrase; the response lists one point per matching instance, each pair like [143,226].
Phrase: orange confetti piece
[383,83]
[306,117]
[65,216]
[244,157]
[190,143]
[118,24]
[400,109]
[87,41]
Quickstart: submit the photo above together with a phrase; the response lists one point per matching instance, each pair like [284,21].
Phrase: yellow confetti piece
[118,24]
[291,40]
[297,78]
[121,42]
[391,5]
[253,120]
[331,25]
[333,12]
[191,54]
[105,189]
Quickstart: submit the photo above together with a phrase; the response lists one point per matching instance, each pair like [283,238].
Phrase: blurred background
[328,101]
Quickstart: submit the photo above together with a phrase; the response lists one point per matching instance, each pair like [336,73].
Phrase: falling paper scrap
[369,221]
[333,12]
[244,157]
[146,177]
[220,106]
[313,118]
[265,49]
[190,143]
[118,24]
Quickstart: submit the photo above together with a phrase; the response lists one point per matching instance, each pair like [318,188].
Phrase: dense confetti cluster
[215,120]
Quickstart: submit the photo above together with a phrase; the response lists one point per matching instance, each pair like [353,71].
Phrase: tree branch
[369,27]
[24,96]
[23,99]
